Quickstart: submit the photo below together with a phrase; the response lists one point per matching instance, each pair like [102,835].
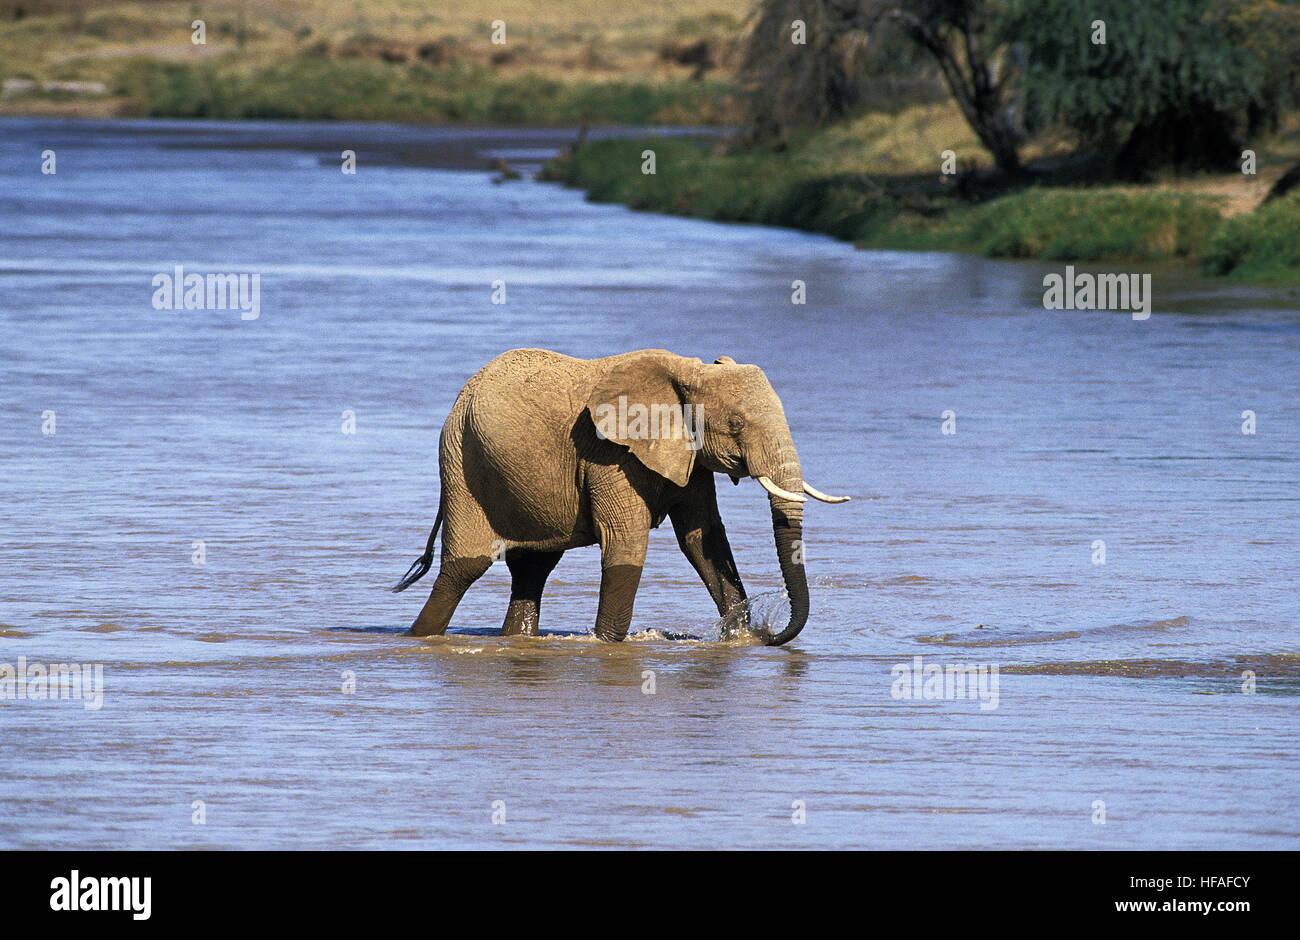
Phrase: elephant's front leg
[622,556]
[703,540]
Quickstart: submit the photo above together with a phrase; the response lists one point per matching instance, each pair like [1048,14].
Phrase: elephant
[543,452]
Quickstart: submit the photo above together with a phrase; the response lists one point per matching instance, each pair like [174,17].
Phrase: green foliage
[851,57]
[1263,245]
[1188,74]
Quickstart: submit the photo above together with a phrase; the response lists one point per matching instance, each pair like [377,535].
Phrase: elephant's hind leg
[454,578]
[528,574]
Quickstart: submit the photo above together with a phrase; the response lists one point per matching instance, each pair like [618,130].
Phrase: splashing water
[761,616]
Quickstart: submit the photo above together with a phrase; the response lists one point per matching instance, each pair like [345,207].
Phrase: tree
[822,79]
[823,69]
[980,73]
[1177,83]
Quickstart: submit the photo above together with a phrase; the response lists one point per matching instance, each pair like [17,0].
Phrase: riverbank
[307,87]
[875,182]
[527,62]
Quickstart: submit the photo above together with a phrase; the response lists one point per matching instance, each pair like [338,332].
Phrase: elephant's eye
[735,424]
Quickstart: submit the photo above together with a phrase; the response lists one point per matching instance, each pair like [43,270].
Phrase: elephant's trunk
[787,527]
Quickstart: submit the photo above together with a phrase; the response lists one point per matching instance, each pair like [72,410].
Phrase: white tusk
[777,491]
[818,494]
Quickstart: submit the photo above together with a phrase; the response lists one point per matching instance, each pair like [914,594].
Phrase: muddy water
[224,681]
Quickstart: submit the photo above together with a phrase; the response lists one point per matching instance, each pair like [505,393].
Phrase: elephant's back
[527,385]
[519,364]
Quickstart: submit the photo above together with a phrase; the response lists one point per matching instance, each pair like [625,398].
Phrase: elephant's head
[733,423]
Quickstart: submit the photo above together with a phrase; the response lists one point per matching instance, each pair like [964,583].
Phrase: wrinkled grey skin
[522,464]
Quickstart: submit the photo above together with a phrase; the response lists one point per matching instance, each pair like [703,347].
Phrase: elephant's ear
[639,404]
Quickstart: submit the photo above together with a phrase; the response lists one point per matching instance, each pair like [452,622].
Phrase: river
[212,507]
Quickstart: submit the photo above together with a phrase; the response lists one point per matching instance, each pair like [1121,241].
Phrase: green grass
[1071,224]
[768,188]
[922,212]
[325,89]
[1263,245]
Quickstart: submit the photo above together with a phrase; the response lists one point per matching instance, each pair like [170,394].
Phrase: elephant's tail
[422,564]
